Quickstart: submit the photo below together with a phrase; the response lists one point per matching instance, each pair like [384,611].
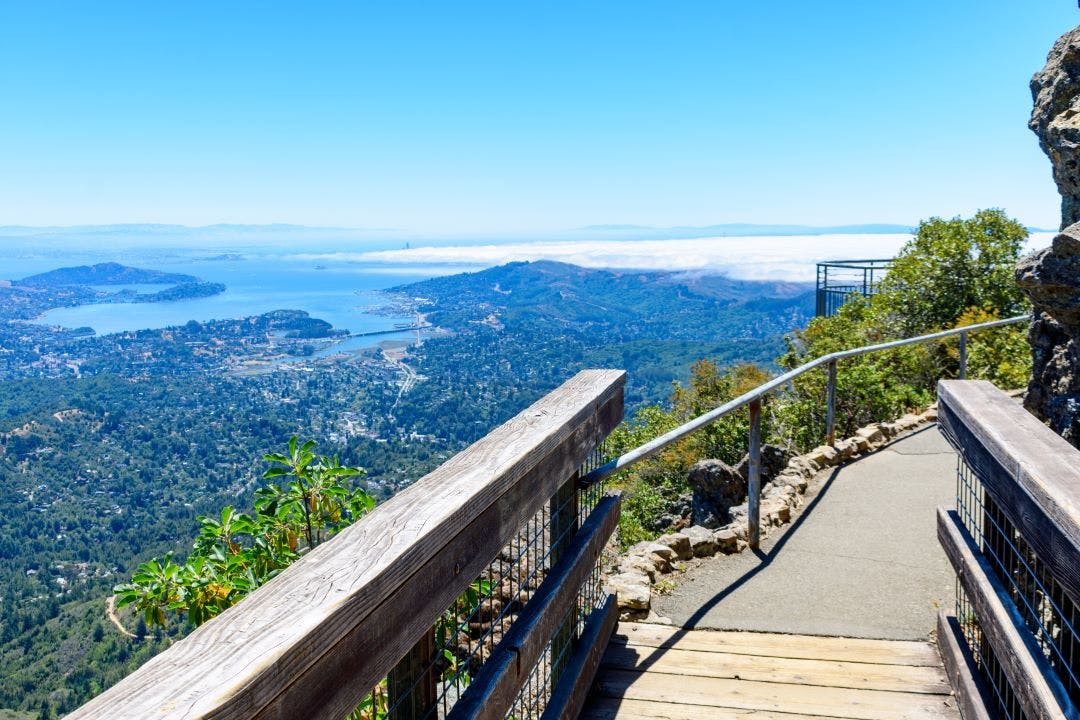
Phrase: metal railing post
[753,477]
[830,406]
[963,356]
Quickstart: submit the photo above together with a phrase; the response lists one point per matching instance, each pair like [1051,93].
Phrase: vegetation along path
[860,560]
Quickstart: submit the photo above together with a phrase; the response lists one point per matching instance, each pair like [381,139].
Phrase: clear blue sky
[468,117]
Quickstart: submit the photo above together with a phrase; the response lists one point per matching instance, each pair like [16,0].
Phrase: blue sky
[488,118]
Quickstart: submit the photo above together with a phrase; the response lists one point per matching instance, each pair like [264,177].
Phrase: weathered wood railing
[376,618]
[1012,648]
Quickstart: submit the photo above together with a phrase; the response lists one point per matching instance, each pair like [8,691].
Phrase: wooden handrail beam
[315,639]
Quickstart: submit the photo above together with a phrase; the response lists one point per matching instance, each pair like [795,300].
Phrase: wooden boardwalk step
[653,672]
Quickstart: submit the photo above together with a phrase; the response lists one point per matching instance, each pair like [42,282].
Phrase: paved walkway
[861,559]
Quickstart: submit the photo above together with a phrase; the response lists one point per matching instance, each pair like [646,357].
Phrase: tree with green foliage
[235,553]
[951,273]
[949,267]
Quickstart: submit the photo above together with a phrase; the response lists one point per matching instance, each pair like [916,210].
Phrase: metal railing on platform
[752,400]
[838,280]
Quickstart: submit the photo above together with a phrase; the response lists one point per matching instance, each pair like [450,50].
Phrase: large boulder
[1055,119]
[773,459]
[1051,278]
[716,486]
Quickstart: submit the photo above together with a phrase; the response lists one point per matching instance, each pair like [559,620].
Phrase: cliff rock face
[1056,119]
[1051,278]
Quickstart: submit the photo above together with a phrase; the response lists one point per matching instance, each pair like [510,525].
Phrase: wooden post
[753,476]
[830,406]
[412,687]
[563,511]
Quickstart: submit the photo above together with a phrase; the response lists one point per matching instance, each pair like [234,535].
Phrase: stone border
[635,572]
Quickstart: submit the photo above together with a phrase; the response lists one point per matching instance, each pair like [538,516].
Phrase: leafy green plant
[234,553]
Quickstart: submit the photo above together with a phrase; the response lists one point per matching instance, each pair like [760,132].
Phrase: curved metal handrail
[753,399]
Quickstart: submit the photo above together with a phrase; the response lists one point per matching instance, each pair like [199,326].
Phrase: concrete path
[861,559]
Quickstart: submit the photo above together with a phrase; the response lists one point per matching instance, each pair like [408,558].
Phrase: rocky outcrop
[1051,278]
[717,487]
[1056,119]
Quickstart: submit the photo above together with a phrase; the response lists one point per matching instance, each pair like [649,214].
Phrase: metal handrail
[753,399]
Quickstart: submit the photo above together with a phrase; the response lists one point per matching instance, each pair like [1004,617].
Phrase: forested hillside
[103,471]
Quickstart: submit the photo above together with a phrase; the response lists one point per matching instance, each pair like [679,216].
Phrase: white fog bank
[789,257]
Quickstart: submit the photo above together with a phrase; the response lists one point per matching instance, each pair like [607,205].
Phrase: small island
[109,273]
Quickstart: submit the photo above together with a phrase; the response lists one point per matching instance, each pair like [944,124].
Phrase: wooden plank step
[625,709]
[885,652]
[775,697]
[798,671]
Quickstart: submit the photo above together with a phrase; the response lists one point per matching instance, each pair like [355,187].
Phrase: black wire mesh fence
[1047,611]
[435,675]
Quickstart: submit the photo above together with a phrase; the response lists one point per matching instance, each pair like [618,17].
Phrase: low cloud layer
[752,258]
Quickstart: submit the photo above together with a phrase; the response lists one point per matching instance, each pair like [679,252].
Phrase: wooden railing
[1012,648]
[372,618]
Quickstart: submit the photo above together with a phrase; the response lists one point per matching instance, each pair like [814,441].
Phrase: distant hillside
[518,330]
[109,273]
[622,305]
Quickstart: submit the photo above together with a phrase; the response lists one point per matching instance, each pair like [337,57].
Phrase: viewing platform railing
[752,400]
[1011,649]
[837,280]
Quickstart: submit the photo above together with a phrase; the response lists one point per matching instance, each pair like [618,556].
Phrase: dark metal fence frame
[849,277]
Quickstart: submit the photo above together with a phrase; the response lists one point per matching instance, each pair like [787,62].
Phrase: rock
[738,514]
[890,430]
[872,434]
[1051,278]
[648,547]
[824,456]
[631,590]
[716,486]
[773,460]
[727,540]
[678,542]
[701,540]
[847,448]
[909,421]
[1055,119]
[930,414]
[639,565]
